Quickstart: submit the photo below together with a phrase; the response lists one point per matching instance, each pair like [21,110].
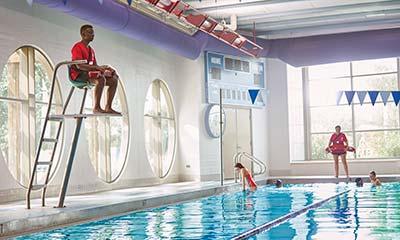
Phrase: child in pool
[374,180]
[246,175]
[278,183]
[359,182]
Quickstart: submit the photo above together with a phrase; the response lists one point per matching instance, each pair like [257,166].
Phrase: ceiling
[274,19]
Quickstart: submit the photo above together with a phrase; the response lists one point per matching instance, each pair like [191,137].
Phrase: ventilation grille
[237,65]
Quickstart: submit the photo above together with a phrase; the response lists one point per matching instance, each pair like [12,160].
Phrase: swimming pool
[217,217]
[362,213]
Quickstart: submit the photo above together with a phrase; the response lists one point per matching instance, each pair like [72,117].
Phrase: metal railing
[238,157]
[42,139]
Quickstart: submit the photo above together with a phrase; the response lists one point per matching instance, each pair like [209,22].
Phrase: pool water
[363,213]
[217,217]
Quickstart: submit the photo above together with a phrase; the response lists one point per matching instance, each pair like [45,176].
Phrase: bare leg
[98,90]
[112,83]
[345,166]
[336,160]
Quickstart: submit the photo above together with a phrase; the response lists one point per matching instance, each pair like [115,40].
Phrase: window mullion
[107,138]
[398,82]
[306,114]
[352,108]
[159,140]
[26,77]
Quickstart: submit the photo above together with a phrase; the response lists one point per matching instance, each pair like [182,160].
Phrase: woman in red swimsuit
[338,146]
[246,175]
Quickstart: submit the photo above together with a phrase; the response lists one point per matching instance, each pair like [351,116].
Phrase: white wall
[201,158]
[278,132]
[189,104]
[278,136]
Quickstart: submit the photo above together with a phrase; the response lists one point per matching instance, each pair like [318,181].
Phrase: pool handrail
[240,155]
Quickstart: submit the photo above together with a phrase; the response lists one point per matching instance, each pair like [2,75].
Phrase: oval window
[24,94]
[108,137]
[213,121]
[159,128]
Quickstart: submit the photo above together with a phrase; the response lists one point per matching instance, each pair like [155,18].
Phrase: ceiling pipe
[218,7]
[288,14]
[325,20]
[305,31]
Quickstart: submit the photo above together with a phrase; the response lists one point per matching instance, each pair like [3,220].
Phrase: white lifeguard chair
[60,119]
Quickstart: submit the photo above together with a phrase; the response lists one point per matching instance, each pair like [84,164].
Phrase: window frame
[157,117]
[307,113]
[105,121]
[31,105]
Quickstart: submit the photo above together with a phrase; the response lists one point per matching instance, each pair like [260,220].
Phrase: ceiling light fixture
[375,15]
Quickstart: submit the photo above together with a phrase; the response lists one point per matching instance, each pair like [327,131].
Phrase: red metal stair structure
[205,23]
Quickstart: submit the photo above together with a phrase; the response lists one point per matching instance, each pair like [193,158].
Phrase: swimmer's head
[359,182]
[372,175]
[278,183]
[239,166]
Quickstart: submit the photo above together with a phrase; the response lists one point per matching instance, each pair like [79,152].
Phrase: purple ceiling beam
[306,51]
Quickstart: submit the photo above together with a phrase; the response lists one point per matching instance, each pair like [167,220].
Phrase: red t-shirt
[338,142]
[81,52]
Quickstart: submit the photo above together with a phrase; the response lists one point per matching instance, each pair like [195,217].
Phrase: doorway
[236,138]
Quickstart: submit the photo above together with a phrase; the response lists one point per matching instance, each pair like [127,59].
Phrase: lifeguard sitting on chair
[83,75]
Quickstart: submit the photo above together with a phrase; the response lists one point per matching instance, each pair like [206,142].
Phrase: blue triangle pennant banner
[349,96]
[373,95]
[65,2]
[361,96]
[339,97]
[396,97]
[129,2]
[253,94]
[385,96]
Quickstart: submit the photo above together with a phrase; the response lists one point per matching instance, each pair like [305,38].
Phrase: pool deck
[16,219]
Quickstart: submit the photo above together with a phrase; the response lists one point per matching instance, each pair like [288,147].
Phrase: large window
[24,93]
[108,137]
[159,127]
[373,130]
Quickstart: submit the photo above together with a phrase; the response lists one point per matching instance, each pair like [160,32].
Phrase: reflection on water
[216,217]
[362,213]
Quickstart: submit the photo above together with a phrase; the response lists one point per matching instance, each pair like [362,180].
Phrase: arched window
[24,93]
[159,128]
[108,137]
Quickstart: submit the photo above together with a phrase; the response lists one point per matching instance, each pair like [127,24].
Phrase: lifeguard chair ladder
[60,119]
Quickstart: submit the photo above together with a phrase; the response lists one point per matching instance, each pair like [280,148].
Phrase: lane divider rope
[284,218]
